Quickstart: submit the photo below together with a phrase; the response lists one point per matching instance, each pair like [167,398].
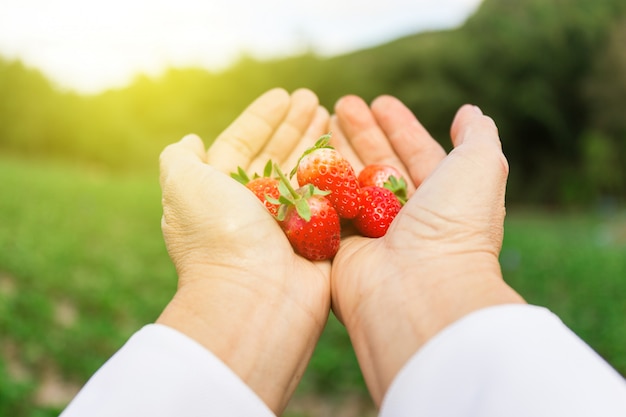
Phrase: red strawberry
[379,206]
[377,174]
[386,176]
[261,186]
[322,166]
[318,238]
[309,220]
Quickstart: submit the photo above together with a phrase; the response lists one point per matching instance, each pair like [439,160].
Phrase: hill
[552,73]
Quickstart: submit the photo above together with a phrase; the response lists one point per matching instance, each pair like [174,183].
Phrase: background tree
[549,71]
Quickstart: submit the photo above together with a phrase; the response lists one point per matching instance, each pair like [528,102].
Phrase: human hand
[242,292]
[439,258]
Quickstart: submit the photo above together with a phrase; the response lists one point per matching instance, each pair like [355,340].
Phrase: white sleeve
[514,361]
[160,372]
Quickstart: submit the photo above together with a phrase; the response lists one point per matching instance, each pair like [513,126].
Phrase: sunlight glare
[90,46]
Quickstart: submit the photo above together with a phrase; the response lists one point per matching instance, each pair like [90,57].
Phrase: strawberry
[387,176]
[379,206]
[318,238]
[308,219]
[377,174]
[322,166]
[261,186]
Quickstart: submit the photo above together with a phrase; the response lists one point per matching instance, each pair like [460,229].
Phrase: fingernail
[477,110]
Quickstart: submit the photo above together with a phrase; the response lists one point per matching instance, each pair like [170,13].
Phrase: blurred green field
[83,266]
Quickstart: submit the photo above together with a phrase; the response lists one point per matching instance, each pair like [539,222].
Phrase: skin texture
[234,296]
[439,258]
[247,297]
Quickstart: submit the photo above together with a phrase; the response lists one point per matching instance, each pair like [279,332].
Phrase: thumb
[477,160]
[476,166]
[471,129]
[465,193]
[187,182]
[187,152]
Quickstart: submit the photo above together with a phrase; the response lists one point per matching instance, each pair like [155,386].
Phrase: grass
[83,266]
[575,264]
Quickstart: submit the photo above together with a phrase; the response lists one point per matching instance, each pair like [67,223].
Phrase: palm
[362,135]
[235,230]
[243,292]
[427,227]
[215,226]
[278,128]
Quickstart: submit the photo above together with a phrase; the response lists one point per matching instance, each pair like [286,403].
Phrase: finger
[185,153]
[240,143]
[415,147]
[363,132]
[469,185]
[465,115]
[317,127]
[303,108]
[477,132]
[475,171]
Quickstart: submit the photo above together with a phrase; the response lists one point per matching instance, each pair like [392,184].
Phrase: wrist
[410,308]
[260,338]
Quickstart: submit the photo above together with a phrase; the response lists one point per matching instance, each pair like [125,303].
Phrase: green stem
[284,179]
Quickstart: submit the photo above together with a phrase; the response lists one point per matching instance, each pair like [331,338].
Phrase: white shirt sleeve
[161,372]
[512,360]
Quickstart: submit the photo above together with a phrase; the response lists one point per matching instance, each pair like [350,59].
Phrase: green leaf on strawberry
[387,176]
[264,187]
[398,187]
[308,219]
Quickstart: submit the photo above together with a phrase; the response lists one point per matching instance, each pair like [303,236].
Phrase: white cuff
[161,372]
[511,360]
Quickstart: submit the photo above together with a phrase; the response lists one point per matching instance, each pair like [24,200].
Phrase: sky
[93,46]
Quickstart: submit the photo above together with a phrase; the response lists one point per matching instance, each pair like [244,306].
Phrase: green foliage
[536,56]
[83,266]
[604,143]
[548,71]
[605,88]
[603,164]
[82,260]
[573,263]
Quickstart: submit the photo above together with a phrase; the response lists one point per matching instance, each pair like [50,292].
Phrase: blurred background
[91,93]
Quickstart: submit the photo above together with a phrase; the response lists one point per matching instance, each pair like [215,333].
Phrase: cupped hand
[439,258]
[243,292]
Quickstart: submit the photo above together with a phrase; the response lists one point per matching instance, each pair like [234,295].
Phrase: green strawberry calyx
[243,177]
[398,187]
[292,197]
